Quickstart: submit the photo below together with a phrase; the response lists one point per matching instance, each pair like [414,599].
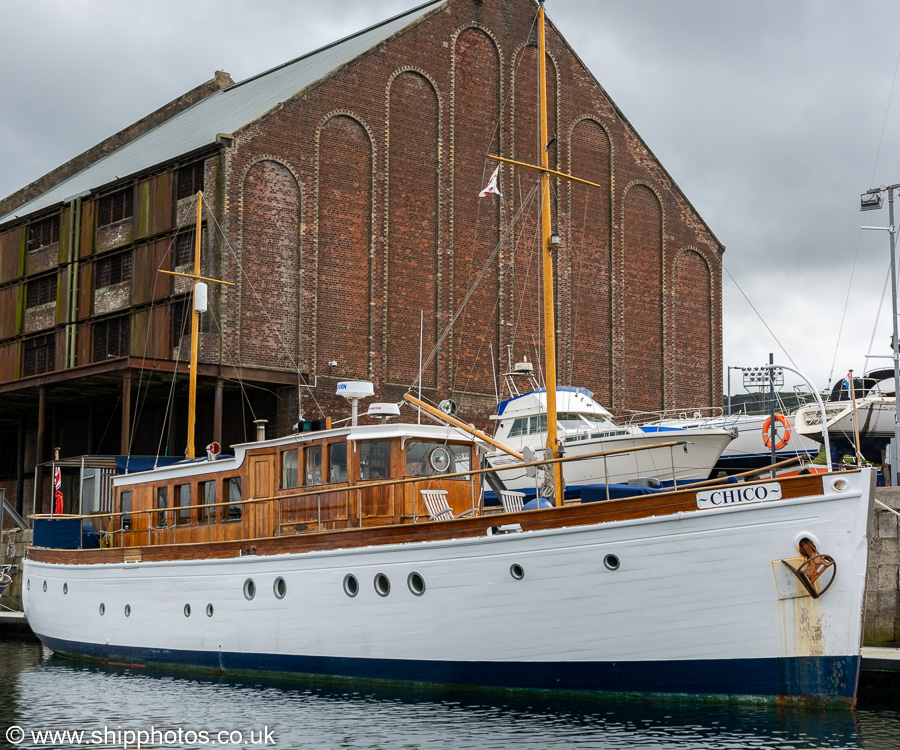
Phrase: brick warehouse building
[342,189]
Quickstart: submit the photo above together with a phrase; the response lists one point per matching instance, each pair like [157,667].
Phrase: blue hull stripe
[833,678]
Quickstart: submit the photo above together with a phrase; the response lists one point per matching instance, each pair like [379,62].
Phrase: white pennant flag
[492,185]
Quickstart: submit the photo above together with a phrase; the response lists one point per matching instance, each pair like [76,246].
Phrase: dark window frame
[112,338]
[39,355]
[115,207]
[113,269]
[40,291]
[189,180]
[43,233]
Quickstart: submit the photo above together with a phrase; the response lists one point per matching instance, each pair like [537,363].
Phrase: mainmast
[198,305]
[550,242]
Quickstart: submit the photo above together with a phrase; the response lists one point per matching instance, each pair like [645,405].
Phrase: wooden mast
[190,451]
[549,317]
[553,446]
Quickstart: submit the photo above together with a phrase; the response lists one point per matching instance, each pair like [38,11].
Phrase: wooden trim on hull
[642,506]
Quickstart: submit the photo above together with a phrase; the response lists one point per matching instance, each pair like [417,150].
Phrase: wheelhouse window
[112,338]
[337,462]
[126,510]
[234,497]
[375,459]
[115,207]
[289,469]
[40,291]
[112,270]
[183,500]
[40,354]
[43,233]
[313,465]
[190,180]
[207,513]
[162,502]
[426,458]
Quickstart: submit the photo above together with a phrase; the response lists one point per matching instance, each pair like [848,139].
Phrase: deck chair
[438,509]
[512,501]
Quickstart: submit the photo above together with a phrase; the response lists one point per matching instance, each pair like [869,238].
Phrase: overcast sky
[771,115]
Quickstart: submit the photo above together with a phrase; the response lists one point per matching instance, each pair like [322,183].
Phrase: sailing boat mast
[553,446]
[198,305]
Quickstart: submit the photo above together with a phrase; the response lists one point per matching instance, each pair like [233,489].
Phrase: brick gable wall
[383,221]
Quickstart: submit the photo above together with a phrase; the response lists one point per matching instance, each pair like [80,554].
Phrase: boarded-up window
[181,320]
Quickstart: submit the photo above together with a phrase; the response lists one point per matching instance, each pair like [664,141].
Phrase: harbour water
[113,706]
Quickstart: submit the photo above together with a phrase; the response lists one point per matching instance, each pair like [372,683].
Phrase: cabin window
[537,424]
[209,498]
[314,465]
[519,427]
[183,500]
[337,462]
[426,458]
[162,501]
[126,510]
[289,469]
[235,497]
[375,459]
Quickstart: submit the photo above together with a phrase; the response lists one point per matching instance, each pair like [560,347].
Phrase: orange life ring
[781,442]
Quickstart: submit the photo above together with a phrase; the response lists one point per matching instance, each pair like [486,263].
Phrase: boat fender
[780,442]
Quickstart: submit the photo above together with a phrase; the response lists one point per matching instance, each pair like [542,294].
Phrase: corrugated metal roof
[224,111]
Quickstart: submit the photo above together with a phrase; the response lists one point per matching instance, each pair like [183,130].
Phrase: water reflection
[43,692]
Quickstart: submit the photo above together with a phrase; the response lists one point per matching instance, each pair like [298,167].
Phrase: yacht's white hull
[689,463]
[700,604]
[874,415]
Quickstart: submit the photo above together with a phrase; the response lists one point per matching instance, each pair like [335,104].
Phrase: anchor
[810,571]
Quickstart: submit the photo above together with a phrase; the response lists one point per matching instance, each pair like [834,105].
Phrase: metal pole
[896,347]
[821,409]
[772,449]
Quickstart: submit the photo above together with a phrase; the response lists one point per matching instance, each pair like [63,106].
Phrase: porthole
[209,610]
[187,610]
[612,562]
[249,589]
[45,585]
[280,588]
[102,609]
[127,610]
[382,584]
[351,585]
[65,588]
[517,571]
[416,583]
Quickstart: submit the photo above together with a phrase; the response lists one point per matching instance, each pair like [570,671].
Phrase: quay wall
[882,626]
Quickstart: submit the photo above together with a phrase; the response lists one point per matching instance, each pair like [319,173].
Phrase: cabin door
[262,516]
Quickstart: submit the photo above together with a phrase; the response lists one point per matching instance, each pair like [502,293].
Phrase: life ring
[780,442]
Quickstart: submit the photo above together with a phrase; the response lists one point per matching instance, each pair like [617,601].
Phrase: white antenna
[353,391]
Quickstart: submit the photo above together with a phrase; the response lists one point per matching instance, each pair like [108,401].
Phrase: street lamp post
[871,200]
